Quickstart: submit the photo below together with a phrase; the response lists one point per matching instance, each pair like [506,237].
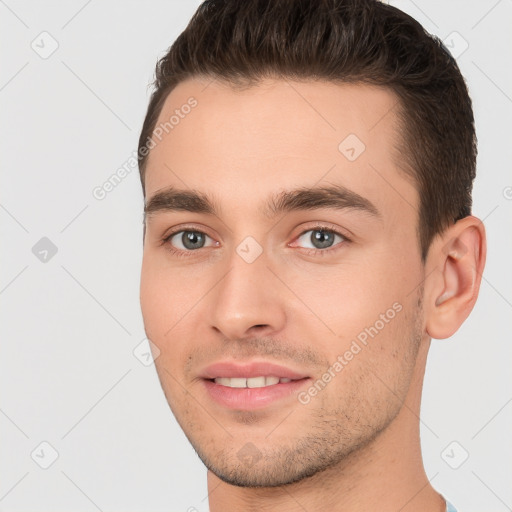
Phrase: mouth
[253,385]
[251,382]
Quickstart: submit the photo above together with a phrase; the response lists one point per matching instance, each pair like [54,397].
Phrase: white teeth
[238,382]
[256,382]
[251,382]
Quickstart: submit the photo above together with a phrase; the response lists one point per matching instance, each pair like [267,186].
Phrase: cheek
[348,297]
[363,302]
[167,295]
[164,305]
[154,299]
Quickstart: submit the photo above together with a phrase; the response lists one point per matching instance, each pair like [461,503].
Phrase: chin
[250,468]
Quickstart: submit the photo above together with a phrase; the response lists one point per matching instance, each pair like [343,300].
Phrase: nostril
[260,326]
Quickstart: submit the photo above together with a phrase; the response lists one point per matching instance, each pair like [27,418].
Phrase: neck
[387,474]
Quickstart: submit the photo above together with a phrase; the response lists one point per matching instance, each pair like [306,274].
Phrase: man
[307,169]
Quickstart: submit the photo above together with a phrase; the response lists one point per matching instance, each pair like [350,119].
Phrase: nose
[248,300]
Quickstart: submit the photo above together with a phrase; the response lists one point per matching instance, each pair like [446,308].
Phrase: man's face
[255,283]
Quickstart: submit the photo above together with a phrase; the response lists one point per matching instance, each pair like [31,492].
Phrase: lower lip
[252,398]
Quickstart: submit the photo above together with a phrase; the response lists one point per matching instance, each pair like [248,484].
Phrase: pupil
[322,239]
[192,240]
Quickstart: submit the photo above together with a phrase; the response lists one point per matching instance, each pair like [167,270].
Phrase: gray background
[71,320]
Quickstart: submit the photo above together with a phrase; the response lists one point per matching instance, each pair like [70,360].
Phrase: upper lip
[249,369]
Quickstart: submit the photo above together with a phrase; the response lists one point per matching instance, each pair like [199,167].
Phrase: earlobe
[459,256]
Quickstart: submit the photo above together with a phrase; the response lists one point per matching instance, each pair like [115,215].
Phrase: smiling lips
[250,382]
[252,385]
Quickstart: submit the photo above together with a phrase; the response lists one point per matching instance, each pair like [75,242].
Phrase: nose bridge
[246,297]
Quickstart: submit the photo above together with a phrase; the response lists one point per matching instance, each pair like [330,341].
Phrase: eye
[187,240]
[321,239]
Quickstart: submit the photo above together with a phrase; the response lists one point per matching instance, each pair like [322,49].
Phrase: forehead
[278,135]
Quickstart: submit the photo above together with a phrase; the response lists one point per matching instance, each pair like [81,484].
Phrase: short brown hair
[242,42]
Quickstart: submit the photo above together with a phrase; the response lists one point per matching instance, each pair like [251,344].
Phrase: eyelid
[185,227]
[326,226]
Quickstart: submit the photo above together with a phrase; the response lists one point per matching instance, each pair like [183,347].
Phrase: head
[309,206]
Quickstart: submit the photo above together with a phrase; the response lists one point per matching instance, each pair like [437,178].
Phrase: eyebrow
[336,197]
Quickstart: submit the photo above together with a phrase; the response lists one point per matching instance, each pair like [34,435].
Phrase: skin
[355,446]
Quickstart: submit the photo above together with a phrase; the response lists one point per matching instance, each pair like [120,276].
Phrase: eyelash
[315,252]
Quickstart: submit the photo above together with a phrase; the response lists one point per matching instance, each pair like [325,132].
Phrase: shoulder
[450,507]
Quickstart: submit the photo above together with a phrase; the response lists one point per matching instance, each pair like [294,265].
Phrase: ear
[455,264]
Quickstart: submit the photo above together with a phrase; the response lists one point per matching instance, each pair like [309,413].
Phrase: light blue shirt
[450,507]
